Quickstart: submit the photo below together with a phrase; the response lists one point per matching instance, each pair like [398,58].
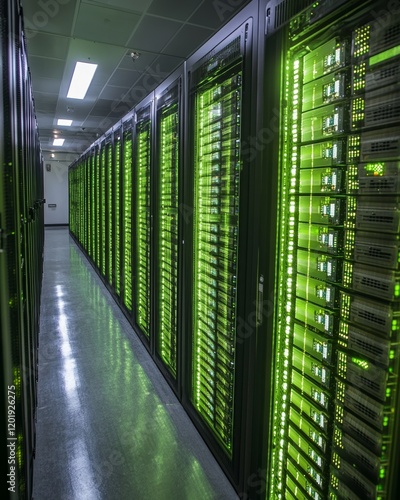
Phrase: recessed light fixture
[64,123]
[58,142]
[52,155]
[81,79]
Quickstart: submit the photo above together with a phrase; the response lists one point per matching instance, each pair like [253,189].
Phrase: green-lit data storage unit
[215,256]
[127,215]
[142,220]
[217,234]
[103,209]
[110,190]
[167,216]
[116,213]
[92,200]
[335,368]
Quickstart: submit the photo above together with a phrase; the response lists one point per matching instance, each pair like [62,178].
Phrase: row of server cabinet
[246,216]
[21,256]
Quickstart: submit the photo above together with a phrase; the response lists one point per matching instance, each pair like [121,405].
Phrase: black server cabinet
[103,209]
[167,214]
[109,207]
[92,201]
[97,214]
[116,212]
[89,202]
[21,255]
[127,216]
[83,202]
[332,359]
[142,220]
[82,198]
[219,292]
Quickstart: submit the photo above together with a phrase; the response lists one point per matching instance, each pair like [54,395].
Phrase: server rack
[109,193]
[332,431]
[217,234]
[116,283]
[21,254]
[103,208]
[127,214]
[92,212]
[82,201]
[89,204]
[142,218]
[168,204]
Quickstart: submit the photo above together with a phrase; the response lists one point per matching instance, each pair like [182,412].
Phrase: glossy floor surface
[108,425]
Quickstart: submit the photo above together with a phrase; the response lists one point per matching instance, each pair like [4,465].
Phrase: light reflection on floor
[109,427]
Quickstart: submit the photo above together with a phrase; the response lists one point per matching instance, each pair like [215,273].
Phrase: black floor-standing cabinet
[330,344]
[167,176]
[142,220]
[21,255]
[220,289]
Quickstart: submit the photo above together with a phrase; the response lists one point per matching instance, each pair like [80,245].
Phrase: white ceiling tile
[105,25]
[49,17]
[160,30]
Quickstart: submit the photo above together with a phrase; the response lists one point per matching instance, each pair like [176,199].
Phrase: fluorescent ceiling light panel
[58,142]
[81,79]
[65,123]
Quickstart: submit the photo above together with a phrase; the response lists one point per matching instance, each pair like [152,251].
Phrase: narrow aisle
[108,425]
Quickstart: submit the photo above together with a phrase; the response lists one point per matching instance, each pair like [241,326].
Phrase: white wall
[56,192]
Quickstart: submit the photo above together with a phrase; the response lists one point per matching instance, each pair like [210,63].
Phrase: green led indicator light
[382,473]
[384,56]
[361,363]
[375,169]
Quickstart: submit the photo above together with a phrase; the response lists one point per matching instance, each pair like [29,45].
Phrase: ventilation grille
[371,315]
[344,491]
[375,349]
[372,252]
[378,185]
[365,407]
[367,436]
[383,76]
[382,113]
[380,145]
[364,488]
[368,383]
[365,458]
[378,219]
[384,38]
[378,285]
[367,282]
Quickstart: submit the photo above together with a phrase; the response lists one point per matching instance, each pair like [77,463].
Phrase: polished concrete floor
[108,425]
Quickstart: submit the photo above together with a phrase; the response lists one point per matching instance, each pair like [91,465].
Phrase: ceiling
[105,32]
